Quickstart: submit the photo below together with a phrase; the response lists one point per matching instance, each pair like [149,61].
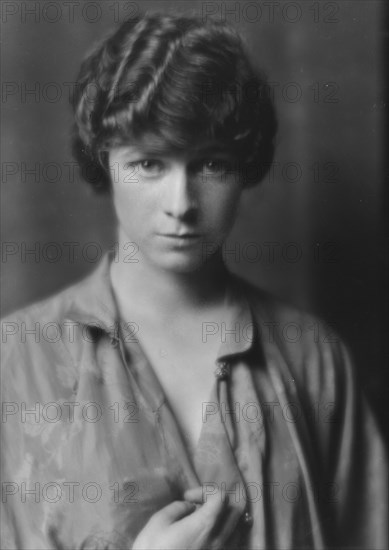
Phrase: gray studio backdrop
[311,232]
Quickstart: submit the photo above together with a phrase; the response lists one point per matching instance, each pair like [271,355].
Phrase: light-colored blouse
[91,448]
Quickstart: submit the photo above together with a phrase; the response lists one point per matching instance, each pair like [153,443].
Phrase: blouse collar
[93,305]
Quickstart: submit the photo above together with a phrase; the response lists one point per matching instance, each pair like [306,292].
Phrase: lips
[180,240]
[182,235]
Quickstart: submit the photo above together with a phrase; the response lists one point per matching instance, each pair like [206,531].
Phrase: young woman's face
[176,209]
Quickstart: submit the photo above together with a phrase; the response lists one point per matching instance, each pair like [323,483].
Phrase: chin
[181,263]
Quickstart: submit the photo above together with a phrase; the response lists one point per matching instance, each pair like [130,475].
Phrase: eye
[215,167]
[146,167]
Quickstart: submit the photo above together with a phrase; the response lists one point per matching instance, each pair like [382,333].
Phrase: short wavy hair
[180,78]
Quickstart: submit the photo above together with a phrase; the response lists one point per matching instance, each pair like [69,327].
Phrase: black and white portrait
[194,303]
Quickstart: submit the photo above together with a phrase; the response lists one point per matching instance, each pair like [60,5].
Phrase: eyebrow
[207,149]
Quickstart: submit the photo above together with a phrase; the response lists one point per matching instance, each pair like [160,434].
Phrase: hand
[184,524]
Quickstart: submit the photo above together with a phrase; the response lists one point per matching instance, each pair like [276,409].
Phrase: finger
[194,495]
[201,494]
[202,521]
[212,509]
[214,503]
[174,511]
[215,520]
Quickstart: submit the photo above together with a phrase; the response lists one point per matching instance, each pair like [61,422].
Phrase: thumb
[212,509]
[174,511]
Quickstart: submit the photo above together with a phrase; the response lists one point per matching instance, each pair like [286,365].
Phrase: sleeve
[357,462]
[21,510]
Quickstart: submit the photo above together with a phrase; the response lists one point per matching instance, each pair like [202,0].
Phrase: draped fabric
[91,448]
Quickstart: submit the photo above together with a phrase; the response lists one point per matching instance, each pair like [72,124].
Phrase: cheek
[127,201]
[224,209]
[123,201]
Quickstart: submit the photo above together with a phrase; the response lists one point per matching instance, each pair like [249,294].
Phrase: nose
[179,199]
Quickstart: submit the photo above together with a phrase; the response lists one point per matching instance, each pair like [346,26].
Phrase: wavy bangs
[177,78]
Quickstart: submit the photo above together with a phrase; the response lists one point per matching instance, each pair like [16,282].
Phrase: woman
[154,411]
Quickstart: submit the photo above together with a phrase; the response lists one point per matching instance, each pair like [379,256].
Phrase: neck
[146,286]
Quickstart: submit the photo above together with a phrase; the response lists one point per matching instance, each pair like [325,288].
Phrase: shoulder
[311,351]
[50,336]
[267,308]
[35,348]
[309,365]
[37,317]
[88,297]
